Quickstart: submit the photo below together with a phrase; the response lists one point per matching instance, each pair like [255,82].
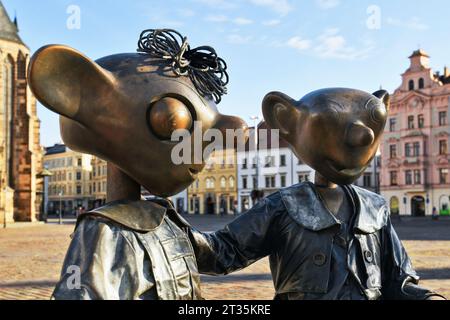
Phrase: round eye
[168,115]
[378,113]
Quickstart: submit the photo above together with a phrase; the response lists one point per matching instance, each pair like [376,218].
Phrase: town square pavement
[31,257]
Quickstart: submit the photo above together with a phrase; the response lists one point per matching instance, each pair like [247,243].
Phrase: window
[244,163]
[367,180]
[443,176]
[283,160]
[417,177]
[231,182]
[79,162]
[393,151]
[255,182]
[303,177]
[223,182]
[416,149]
[283,181]
[443,148]
[270,162]
[21,67]
[300,162]
[421,121]
[407,150]
[394,178]
[78,189]
[78,176]
[392,124]
[270,182]
[443,118]
[421,83]
[408,177]
[411,85]
[411,122]
[255,161]
[7,109]
[244,182]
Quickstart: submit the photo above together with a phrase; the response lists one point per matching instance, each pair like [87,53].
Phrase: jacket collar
[141,216]
[305,205]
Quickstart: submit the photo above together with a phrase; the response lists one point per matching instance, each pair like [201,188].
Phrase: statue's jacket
[296,230]
[130,251]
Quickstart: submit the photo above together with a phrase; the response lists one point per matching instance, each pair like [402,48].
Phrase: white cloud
[238,39]
[242,21]
[299,43]
[217,18]
[271,23]
[282,7]
[331,44]
[218,4]
[413,23]
[327,4]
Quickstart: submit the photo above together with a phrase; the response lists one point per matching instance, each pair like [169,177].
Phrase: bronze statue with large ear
[125,108]
[336,131]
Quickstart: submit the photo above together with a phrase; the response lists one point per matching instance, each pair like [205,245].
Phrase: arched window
[411,85]
[394,205]
[21,66]
[223,182]
[6,115]
[421,83]
[231,182]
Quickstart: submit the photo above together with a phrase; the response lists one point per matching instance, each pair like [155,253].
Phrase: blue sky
[294,46]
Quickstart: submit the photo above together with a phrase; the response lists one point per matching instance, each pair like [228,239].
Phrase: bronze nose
[359,135]
[235,126]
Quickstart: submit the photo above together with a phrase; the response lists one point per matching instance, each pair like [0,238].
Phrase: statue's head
[335,131]
[124,108]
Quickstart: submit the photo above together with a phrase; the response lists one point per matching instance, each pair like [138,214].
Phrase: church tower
[20,150]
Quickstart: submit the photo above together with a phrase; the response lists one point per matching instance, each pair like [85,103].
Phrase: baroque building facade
[415,176]
[20,150]
[215,190]
[70,185]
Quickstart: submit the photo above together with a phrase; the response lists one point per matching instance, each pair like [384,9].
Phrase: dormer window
[421,83]
[411,85]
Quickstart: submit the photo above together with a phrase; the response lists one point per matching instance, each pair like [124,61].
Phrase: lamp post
[256,194]
[60,206]
[45,174]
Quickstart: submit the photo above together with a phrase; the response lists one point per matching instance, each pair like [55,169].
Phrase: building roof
[8,29]
[56,149]
[419,53]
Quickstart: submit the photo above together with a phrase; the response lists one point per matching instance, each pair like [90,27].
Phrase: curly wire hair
[207,71]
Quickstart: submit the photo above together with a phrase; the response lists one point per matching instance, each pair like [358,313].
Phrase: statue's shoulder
[141,216]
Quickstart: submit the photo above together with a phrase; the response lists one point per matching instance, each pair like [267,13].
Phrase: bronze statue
[124,108]
[329,239]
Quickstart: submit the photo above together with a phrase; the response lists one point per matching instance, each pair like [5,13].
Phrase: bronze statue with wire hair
[124,109]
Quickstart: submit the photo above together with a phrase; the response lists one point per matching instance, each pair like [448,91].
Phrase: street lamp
[60,205]
[45,174]
[255,120]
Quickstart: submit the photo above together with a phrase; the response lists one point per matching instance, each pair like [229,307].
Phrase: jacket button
[319,259]
[369,256]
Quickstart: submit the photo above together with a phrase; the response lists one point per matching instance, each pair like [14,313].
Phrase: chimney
[446,72]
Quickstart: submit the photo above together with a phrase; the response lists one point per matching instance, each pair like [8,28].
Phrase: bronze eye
[168,115]
[378,113]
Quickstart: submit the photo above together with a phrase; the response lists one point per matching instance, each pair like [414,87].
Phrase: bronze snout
[359,135]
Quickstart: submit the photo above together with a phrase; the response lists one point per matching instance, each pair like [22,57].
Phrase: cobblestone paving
[31,258]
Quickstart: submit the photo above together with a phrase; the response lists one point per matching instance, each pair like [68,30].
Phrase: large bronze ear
[280,113]
[62,79]
[384,96]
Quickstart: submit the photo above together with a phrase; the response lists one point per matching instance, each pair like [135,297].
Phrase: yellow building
[21,187]
[69,187]
[215,191]
[99,181]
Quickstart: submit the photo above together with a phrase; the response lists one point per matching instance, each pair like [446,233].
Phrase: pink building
[415,168]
